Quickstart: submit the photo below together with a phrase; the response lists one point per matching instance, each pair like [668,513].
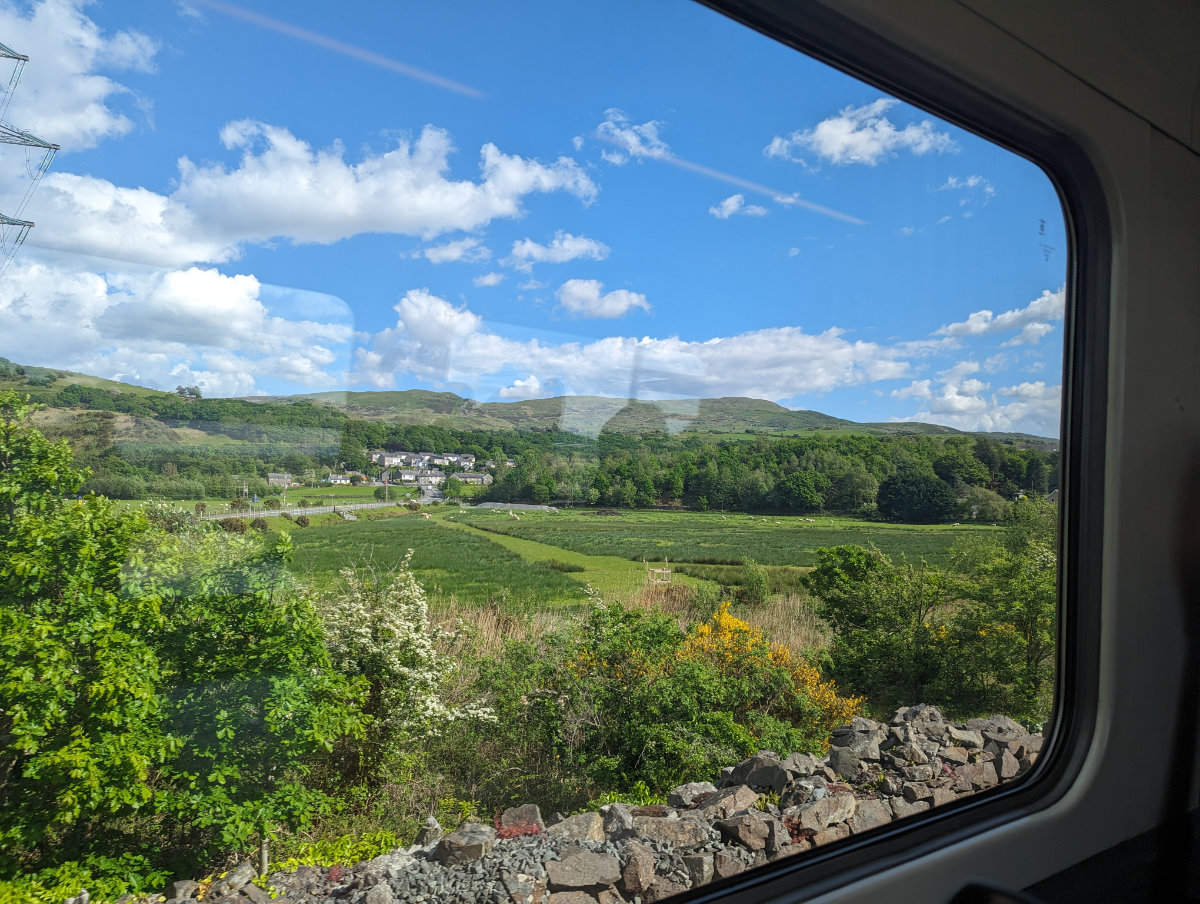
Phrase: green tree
[916,497]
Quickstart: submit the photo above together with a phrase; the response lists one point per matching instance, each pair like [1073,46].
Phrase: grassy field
[451,563]
[706,538]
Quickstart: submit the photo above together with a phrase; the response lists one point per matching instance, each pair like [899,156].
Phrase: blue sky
[614,199]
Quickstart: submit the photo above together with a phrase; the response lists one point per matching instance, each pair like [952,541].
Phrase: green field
[480,557]
[713,539]
[449,562]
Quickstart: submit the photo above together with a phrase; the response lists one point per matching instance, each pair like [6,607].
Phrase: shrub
[303,521]
[234,525]
[116,487]
[756,585]
[259,524]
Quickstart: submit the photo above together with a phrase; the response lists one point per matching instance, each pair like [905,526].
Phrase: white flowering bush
[377,628]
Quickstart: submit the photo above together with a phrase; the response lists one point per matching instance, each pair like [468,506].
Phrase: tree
[188,392]
[916,497]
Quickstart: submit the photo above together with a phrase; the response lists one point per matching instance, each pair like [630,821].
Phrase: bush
[116,487]
[259,524]
[303,521]
[234,525]
[756,584]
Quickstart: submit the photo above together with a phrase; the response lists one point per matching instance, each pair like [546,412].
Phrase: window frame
[832,38]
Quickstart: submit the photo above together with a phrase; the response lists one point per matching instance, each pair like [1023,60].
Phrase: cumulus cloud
[630,140]
[162,328]
[283,188]
[587,298]
[967,403]
[467,250]
[488,280]
[529,388]
[862,135]
[447,346]
[61,98]
[1031,323]
[736,204]
[562,248]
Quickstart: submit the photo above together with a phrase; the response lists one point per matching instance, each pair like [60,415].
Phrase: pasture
[710,538]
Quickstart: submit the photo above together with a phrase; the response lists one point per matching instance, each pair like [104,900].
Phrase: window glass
[477,452]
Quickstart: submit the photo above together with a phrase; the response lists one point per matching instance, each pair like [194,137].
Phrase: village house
[339,479]
[479,480]
[279,480]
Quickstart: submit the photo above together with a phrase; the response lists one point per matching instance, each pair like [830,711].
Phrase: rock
[242,874]
[638,875]
[798,793]
[975,777]
[523,888]
[1009,765]
[997,724]
[943,796]
[869,814]
[799,765]
[747,829]
[726,864]
[429,832]
[903,808]
[965,737]
[845,762]
[920,773]
[466,845]
[380,894]
[582,827]
[524,816]
[586,870]
[662,888]
[609,896]
[827,811]
[699,868]
[915,791]
[571,897]
[183,888]
[728,801]
[618,821]
[685,795]
[833,833]
[762,770]
[956,755]
[778,837]
[679,832]
[910,753]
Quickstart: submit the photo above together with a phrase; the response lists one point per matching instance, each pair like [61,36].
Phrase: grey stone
[466,845]
[915,791]
[581,827]
[943,795]
[762,770]
[523,888]
[380,894]
[699,868]
[638,875]
[618,821]
[956,755]
[679,832]
[833,833]
[975,777]
[183,888]
[828,811]
[903,808]
[609,896]
[844,762]
[1009,765]
[526,815]
[429,832]
[728,801]
[747,829]
[911,753]
[965,737]
[233,880]
[663,888]
[685,795]
[586,870]
[920,773]
[571,897]
[726,864]
[869,814]
[801,764]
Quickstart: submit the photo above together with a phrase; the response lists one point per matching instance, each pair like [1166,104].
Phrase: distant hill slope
[730,417]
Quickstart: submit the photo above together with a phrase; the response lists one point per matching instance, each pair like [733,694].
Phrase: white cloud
[632,141]
[736,204]
[468,251]
[282,188]
[778,363]
[964,402]
[488,279]
[945,219]
[162,328]
[529,388]
[562,248]
[971,184]
[587,298]
[61,98]
[909,231]
[532,285]
[861,135]
[917,389]
[792,252]
[1031,323]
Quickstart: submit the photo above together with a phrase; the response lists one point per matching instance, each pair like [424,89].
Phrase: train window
[488,453]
